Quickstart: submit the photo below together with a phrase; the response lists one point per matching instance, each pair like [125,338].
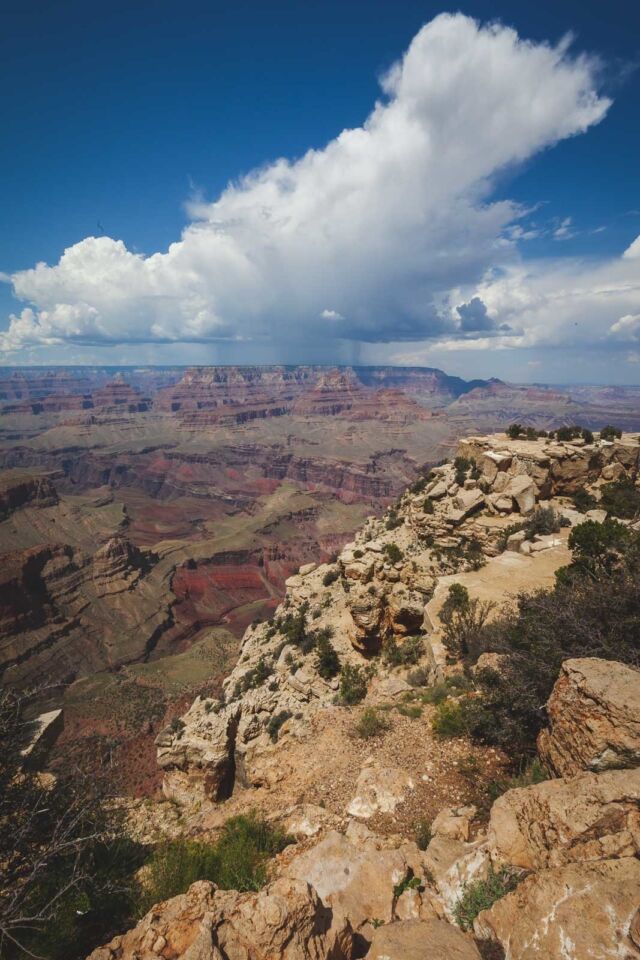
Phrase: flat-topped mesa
[118,397]
[374,595]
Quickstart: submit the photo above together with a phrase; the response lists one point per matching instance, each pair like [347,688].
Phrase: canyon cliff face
[149,516]
[281,741]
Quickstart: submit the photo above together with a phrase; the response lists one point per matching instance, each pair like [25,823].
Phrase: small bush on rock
[327,660]
[450,720]
[370,724]
[393,552]
[353,684]
[330,577]
[276,722]
[482,894]
[236,861]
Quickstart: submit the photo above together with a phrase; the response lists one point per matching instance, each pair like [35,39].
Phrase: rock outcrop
[588,817]
[575,912]
[286,919]
[374,597]
[421,940]
[594,717]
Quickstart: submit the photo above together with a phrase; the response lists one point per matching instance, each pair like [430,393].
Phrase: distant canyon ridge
[147,515]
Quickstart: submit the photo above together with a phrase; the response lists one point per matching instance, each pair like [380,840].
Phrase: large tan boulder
[588,817]
[576,912]
[421,940]
[285,920]
[594,716]
[197,753]
[360,877]
[453,865]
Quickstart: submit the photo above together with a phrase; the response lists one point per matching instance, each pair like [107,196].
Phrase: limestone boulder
[421,940]
[468,501]
[581,911]
[588,817]
[286,919]
[405,610]
[594,717]
[358,876]
[379,789]
[523,491]
[453,864]
[197,752]
[454,822]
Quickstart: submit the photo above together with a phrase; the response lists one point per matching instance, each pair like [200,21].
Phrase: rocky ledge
[375,594]
[568,847]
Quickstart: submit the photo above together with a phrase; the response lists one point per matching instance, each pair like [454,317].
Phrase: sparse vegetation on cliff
[593,611]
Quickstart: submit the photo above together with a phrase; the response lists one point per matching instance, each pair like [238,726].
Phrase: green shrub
[583,500]
[569,433]
[621,499]
[427,506]
[276,722]
[464,626]
[610,433]
[419,485]
[457,599]
[330,577]
[370,724]
[404,654]
[393,521]
[449,720]
[409,882]
[393,552]
[482,894]
[412,711]
[461,465]
[436,694]
[593,611]
[327,659]
[597,547]
[353,684]
[236,861]
[543,520]
[418,677]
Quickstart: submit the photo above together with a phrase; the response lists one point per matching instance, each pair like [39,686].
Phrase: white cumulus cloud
[393,220]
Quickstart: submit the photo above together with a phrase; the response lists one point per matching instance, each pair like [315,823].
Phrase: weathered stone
[453,864]
[421,940]
[581,911]
[523,490]
[594,715]
[588,817]
[379,790]
[286,920]
[197,753]
[515,540]
[454,822]
[356,876]
[307,568]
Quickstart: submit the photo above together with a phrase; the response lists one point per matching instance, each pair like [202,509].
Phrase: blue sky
[128,121]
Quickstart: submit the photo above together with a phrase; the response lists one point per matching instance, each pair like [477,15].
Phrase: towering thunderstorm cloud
[389,233]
